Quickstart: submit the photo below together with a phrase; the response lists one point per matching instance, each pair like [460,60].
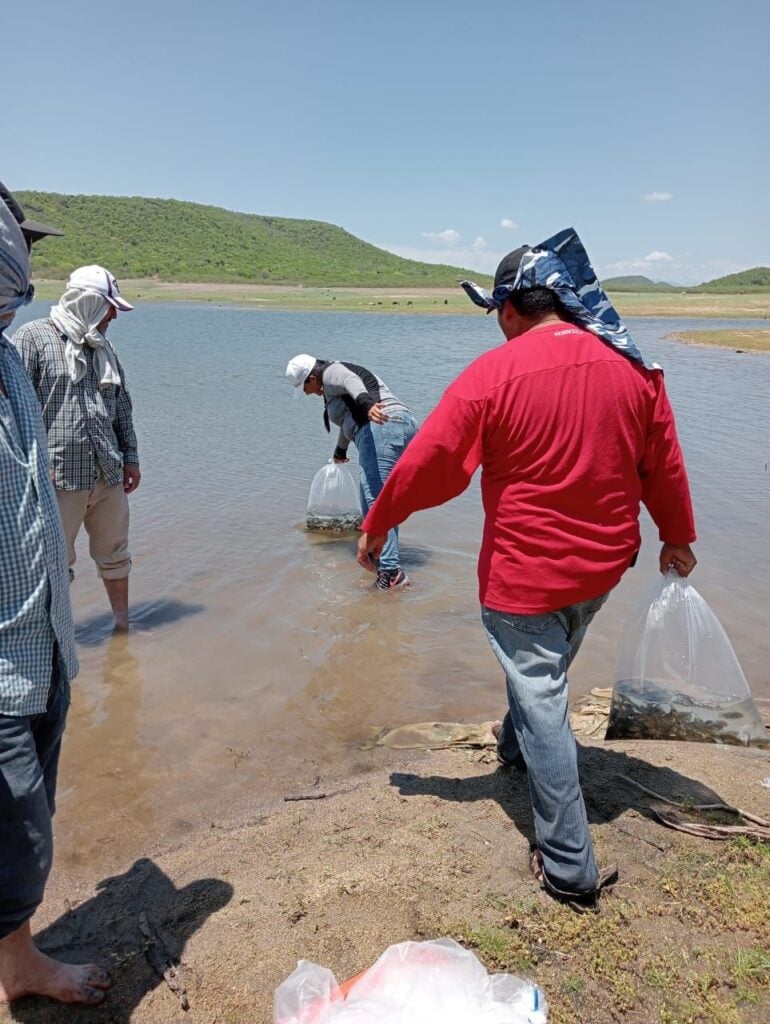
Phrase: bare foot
[121,626]
[25,971]
[497,728]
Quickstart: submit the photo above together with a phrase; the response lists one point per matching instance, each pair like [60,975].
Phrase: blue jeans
[29,759]
[535,652]
[380,446]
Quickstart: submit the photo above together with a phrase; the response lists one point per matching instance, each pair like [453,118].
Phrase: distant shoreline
[417,301]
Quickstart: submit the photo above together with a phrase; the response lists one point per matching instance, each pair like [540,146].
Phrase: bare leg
[117,592]
[25,971]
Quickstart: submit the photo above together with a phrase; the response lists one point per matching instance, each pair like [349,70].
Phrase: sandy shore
[436,844]
[756,340]
[435,301]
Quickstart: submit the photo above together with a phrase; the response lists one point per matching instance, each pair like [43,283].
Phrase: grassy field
[439,300]
[757,340]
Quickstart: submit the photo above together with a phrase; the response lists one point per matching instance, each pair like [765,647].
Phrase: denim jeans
[535,652]
[29,759]
[380,446]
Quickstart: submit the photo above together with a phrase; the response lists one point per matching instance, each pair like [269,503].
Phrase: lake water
[262,656]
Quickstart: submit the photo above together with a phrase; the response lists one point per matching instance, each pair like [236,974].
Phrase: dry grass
[437,301]
[755,340]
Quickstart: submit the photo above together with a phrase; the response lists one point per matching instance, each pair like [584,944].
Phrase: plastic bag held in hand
[411,983]
[334,502]
[678,676]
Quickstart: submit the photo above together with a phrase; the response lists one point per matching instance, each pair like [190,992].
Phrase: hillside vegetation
[755,280]
[636,283]
[178,241]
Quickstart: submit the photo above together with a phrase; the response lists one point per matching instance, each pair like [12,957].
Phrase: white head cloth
[14,264]
[77,315]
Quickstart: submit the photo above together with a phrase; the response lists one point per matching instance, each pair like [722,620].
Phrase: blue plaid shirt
[90,427]
[35,610]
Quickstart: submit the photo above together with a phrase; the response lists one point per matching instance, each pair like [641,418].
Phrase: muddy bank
[754,340]
[437,845]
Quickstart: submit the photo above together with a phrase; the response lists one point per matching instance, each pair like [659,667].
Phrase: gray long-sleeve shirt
[339,383]
[90,427]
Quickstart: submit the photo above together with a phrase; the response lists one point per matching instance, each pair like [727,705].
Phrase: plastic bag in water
[333,503]
[678,677]
[411,983]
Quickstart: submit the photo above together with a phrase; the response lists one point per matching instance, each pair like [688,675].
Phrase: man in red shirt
[572,431]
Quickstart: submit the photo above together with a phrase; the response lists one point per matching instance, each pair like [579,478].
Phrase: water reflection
[110,791]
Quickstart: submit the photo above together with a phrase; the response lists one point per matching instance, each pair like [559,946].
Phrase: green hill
[637,283]
[755,280]
[178,241]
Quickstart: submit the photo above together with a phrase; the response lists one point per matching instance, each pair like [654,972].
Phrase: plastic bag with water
[678,677]
[333,503]
[411,983]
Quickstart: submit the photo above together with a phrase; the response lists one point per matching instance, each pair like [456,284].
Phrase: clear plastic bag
[678,677]
[411,983]
[333,503]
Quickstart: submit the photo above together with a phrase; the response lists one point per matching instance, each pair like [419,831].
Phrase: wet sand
[421,846]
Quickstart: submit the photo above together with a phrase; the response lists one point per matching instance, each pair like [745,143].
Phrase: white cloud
[482,261]
[657,197]
[479,245]
[448,237]
[506,222]
[685,272]
[656,256]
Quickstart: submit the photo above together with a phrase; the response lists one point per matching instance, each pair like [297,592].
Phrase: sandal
[581,903]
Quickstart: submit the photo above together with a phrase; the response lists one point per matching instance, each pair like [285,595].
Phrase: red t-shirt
[571,436]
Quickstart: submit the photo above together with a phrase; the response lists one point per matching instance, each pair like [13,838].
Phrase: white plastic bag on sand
[333,503]
[436,982]
[678,676]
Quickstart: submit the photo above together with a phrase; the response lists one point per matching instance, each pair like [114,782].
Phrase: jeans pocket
[534,624]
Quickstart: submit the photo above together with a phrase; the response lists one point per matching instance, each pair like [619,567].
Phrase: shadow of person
[607,795]
[106,930]
[145,616]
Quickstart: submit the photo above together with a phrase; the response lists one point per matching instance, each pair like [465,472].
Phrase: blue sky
[441,130]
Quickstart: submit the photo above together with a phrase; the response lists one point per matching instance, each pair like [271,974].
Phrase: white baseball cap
[97,279]
[298,370]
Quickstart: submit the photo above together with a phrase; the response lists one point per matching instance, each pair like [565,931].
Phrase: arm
[366,405]
[341,451]
[666,489]
[123,425]
[436,467]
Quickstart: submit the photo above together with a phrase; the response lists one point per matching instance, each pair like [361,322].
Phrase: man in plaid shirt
[88,416]
[37,652]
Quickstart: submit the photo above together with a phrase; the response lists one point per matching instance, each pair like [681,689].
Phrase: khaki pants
[104,513]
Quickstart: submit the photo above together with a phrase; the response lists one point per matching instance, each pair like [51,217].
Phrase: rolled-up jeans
[29,760]
[535,652]
[380,446]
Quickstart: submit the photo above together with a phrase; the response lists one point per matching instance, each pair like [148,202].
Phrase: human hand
[376,414]
[370,548]
[131,477]
[340,461]
[678,557]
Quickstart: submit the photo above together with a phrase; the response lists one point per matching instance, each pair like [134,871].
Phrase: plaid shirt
[90,427]
[35,608]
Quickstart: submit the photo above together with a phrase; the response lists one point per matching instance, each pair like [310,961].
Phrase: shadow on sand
[106,930]
[145,617]
[607,796]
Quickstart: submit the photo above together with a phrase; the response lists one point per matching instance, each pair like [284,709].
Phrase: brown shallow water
[261,656]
